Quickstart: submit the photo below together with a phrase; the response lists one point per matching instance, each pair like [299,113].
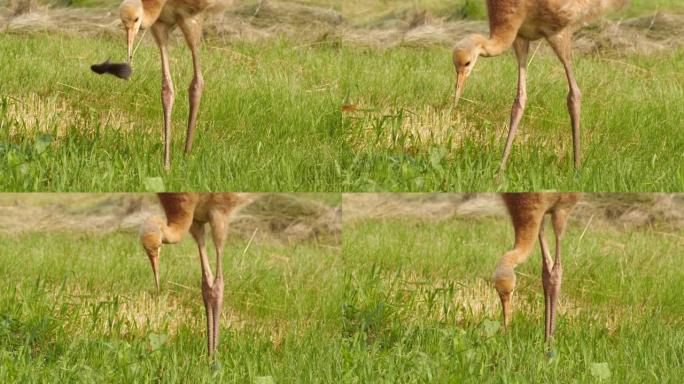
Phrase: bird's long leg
[215,291]
[192,29]
[559,217]
[562,45]
[521,47]
[161,36]
[197,231]
[546,284]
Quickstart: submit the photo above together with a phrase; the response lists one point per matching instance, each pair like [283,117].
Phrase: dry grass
[280,217]
[410,129]
[619,210]
[141,311]
[52,114]
[413,129]
[259,20]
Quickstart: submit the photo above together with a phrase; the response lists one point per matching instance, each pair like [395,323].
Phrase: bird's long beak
[154,261]
[460,83]
[130,37]
[506,306]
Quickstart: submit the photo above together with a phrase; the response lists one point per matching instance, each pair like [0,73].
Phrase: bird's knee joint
[167,92]
[520,102]
[197,84]
[574,97]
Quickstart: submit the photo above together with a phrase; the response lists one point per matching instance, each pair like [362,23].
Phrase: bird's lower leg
[562,45]
[167,95]
[212,293]
[192,29]
[210,318]
[194,94]
[198,233]
[546,284]
[218,304]
[521,49]
[551,281]
[574,107]
[516,116]
[557,277]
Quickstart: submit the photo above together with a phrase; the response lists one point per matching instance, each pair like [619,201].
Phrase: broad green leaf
[157,340]
[154,184]
[600,370]
[491,327]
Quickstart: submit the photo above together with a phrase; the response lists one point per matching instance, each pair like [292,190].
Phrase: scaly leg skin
[547,284]
[552,275]
[197,231]
[521,47]
[161,35]
[192,29]
[213,293]
[562,45]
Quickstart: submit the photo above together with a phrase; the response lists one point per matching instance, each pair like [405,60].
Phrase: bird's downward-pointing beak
[154,260]
[130,37]
[460,82]
[506,306]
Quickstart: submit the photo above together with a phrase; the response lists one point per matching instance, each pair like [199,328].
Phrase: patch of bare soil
[271,19]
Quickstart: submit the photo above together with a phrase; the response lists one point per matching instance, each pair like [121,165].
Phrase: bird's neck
[151,11]
[492,46]
[171,234]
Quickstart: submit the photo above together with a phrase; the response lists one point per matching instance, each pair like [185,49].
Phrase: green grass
[408,140]
[271,120]
[421,307]
[82,308]
[407,301]
[640,7]
[265,123]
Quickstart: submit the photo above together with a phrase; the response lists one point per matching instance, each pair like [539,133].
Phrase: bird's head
[504,283]
[151,239]
[465,54]
[131,13]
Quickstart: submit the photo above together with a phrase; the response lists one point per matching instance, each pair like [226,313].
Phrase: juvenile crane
[162,16]
[189,212]
[516,23]
[527,212]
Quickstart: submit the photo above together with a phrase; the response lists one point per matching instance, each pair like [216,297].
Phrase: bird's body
[189,212]
[542,18]
[162,16]
[518,22]
[527,211]
[174,10]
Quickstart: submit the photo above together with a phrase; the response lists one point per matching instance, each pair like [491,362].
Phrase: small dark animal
[120,70]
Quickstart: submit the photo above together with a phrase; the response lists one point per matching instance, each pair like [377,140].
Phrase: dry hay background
[302,217]
[622,211]
[266,19]
[280,217]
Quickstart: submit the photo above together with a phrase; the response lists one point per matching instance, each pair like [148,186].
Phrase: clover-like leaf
[600,371]
[157,340]
[154,184]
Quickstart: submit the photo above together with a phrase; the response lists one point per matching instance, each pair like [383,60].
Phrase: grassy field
[280,114]
[404,300]
[81,307]
[421,309]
